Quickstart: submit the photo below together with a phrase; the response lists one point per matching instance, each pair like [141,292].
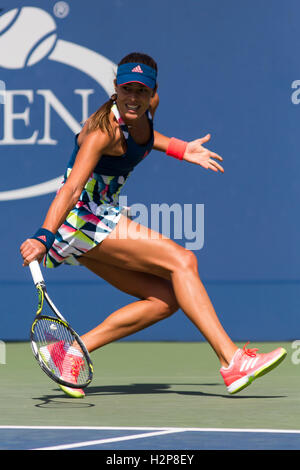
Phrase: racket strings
[60,351]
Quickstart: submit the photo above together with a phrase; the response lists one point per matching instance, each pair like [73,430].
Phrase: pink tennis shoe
[54,355]
[61,360]
[247,365]
[70,372]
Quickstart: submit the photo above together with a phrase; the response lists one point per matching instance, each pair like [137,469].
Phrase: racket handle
[36,272]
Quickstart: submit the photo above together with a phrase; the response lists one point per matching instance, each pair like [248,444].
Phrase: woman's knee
[186,261]
[165,304]
[163,309]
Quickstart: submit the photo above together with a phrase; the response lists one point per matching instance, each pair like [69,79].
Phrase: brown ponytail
[100,119]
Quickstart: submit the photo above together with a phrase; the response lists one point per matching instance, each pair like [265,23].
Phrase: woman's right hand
[32,250]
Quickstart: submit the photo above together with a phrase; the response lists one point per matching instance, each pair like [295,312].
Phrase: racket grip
[36,272]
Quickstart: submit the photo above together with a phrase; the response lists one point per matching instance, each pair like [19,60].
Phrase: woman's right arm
[88,156]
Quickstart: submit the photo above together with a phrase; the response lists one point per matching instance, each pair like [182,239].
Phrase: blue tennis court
[114,439]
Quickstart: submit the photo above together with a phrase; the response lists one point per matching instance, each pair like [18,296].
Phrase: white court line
[143,428]
[155,432]
[95,428]
[105,441]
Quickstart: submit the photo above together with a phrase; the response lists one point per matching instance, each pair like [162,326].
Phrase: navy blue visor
[138,73]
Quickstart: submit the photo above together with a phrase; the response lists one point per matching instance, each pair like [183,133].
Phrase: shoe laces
[71,366]
[251,351]
[76,364]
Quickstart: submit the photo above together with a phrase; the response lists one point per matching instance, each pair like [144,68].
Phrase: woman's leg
[137,248]
[157,302]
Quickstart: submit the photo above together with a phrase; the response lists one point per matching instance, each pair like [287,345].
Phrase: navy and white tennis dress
[97,211]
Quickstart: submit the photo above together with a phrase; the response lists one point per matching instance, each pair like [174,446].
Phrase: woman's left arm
[192,152]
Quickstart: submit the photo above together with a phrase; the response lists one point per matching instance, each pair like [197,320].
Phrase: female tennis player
[86,226]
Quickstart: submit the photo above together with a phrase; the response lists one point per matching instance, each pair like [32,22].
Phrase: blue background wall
[226,68]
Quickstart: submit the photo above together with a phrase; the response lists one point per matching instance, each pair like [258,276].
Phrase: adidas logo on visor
[137,69]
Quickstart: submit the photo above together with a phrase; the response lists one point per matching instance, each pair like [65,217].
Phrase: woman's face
[133,100]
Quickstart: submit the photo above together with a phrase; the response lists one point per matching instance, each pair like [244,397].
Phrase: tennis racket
[56,346]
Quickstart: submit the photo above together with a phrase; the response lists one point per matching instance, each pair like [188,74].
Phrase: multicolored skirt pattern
[92,219]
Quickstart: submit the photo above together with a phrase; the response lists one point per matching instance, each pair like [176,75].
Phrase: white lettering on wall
[50,103]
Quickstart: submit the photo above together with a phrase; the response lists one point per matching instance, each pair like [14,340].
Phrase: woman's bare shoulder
[98,136]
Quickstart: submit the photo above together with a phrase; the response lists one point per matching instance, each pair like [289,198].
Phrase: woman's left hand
[195,153]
